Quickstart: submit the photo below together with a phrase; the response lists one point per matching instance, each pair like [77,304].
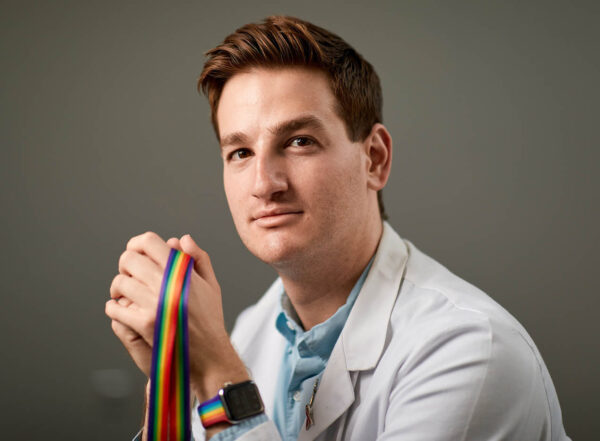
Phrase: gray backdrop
[493,107]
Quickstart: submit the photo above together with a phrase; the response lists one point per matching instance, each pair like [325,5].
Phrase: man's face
[295,184]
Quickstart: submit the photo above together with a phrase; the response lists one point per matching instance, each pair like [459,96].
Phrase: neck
[317,289]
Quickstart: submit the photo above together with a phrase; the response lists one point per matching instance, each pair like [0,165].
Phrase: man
[362,336]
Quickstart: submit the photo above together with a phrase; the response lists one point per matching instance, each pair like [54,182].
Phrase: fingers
[140,351]
[124,333]
[140,321]
[127,289]
[174,243]
[151,245]
[202,263]
[140,267]
[124,301]
[137,260]
[134,294]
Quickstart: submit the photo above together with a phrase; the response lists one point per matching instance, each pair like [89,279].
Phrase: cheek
[234,198]
[336,187]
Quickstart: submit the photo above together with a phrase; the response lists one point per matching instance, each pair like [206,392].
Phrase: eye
[301,141]
[239,154]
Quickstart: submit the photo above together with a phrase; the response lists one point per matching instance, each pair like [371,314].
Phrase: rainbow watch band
[212,412]
[169,404]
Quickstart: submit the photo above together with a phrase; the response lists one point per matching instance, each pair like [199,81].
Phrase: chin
[275,251]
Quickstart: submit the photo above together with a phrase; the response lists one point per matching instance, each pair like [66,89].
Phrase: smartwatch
[233,404]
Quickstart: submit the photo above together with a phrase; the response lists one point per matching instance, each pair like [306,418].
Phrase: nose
[270,178]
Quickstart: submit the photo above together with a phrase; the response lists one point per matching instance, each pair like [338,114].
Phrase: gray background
[493,107]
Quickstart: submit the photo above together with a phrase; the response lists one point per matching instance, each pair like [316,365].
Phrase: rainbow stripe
[212,412]
[169,407]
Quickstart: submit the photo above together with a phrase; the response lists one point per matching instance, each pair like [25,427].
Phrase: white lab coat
[423,356]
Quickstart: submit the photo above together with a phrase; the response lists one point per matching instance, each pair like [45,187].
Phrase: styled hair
[283,41]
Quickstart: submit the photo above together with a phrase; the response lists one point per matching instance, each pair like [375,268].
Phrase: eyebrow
[302,122]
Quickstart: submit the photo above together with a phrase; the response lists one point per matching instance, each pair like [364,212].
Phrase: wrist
[228,369]
[210,385]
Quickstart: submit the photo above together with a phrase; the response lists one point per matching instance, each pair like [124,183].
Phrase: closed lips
[277,212]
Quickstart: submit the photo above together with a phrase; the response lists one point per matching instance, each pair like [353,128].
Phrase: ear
[379,156]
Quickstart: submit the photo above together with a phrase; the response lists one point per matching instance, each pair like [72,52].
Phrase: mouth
[276,218]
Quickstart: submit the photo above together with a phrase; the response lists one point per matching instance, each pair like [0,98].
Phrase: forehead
[263,97]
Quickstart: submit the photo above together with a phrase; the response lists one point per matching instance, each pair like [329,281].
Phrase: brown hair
[281,41]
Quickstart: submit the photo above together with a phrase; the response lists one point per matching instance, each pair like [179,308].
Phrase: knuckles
[115,327]
[109,308]
[202,257]
[124,258]
[148,236]
[116,285]
[143,239]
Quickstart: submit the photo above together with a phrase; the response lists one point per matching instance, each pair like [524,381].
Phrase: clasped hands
[134,299]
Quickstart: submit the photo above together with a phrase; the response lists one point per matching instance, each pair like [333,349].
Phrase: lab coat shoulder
[458,366]
[455,365]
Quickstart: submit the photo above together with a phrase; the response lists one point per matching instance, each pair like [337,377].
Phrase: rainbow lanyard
[169,407]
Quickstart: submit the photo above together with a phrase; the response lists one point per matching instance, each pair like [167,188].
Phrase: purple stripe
[186,364]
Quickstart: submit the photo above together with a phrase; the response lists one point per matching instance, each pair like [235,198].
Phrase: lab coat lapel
[365,331]
[334,395]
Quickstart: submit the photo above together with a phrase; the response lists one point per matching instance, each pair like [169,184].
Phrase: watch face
[243,401]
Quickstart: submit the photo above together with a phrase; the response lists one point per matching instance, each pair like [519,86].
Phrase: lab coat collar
[363,337]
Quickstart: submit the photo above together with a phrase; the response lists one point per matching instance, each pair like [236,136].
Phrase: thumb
[202,263]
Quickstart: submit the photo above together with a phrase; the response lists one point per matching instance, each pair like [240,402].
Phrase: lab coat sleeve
[238,432]
[266,431]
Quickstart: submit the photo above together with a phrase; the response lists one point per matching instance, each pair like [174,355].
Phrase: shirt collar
[321,338]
